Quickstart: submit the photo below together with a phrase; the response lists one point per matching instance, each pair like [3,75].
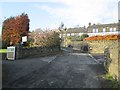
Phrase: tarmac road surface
[67,70]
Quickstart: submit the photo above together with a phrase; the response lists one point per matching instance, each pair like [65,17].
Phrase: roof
[76,30]
[103,25]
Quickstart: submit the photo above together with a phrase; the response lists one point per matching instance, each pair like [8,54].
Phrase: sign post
[24,40]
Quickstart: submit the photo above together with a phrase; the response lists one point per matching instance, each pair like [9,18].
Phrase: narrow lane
[69,70]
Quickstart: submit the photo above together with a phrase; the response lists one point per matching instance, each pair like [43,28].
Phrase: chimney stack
[89,24]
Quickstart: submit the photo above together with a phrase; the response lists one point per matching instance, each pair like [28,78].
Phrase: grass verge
[109,81]
[3,50]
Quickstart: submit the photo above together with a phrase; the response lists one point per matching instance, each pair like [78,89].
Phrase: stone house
[102,29]
[73,32]
[92,30]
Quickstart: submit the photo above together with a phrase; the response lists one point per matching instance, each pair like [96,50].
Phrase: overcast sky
[50,13]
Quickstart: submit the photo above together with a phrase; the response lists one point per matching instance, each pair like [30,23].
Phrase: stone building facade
[102,29]
[92,30]
[74,32]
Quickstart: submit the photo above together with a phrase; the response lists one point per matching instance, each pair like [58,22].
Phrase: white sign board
[11,53]
[24,39]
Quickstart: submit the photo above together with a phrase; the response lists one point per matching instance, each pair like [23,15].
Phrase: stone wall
[99,46]
[35,51]
[113,69]
[111,50]
[111,57]
[3,56]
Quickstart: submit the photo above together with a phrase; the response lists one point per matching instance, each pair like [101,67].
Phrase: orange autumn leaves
[14,27]
[105,37]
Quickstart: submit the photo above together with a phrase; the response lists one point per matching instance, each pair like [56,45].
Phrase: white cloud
[84,11]
[79,12]
[29,0]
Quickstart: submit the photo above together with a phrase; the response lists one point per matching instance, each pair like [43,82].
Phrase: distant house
[92,30]
[102,29]
[73,32]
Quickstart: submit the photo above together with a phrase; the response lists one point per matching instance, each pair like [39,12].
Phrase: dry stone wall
[35,51]
[99,46]
[111,50]
[111,57]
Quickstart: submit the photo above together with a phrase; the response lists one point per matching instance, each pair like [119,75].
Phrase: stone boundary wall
[35,51]
[113,61]
[3,56]
[99,46]
[111,50]
[112,57]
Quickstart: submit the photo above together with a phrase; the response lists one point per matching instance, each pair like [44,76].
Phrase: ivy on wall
[105,37]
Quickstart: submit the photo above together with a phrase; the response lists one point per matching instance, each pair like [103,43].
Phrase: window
[80,34]
[114,29]
[72,34]
[111,29]
[93,30]
[97,30]
[68,34]
[104,30]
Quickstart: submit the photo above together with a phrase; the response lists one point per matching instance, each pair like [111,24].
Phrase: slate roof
[76,30]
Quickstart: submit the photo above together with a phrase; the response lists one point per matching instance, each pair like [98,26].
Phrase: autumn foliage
[105,37]
[44,38]
[14,27]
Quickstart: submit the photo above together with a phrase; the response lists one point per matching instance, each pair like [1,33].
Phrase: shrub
[83,36]
[78,38]
[47,38]
[4,44]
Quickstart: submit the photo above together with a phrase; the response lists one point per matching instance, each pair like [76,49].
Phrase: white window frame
[93,30]
[111,29]
[80,34]
[96,30]
[104,29]
[72,34]
[68,34]
[114,29]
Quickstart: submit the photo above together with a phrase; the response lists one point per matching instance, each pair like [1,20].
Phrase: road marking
[94,58]
[49,60]
[78,54]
